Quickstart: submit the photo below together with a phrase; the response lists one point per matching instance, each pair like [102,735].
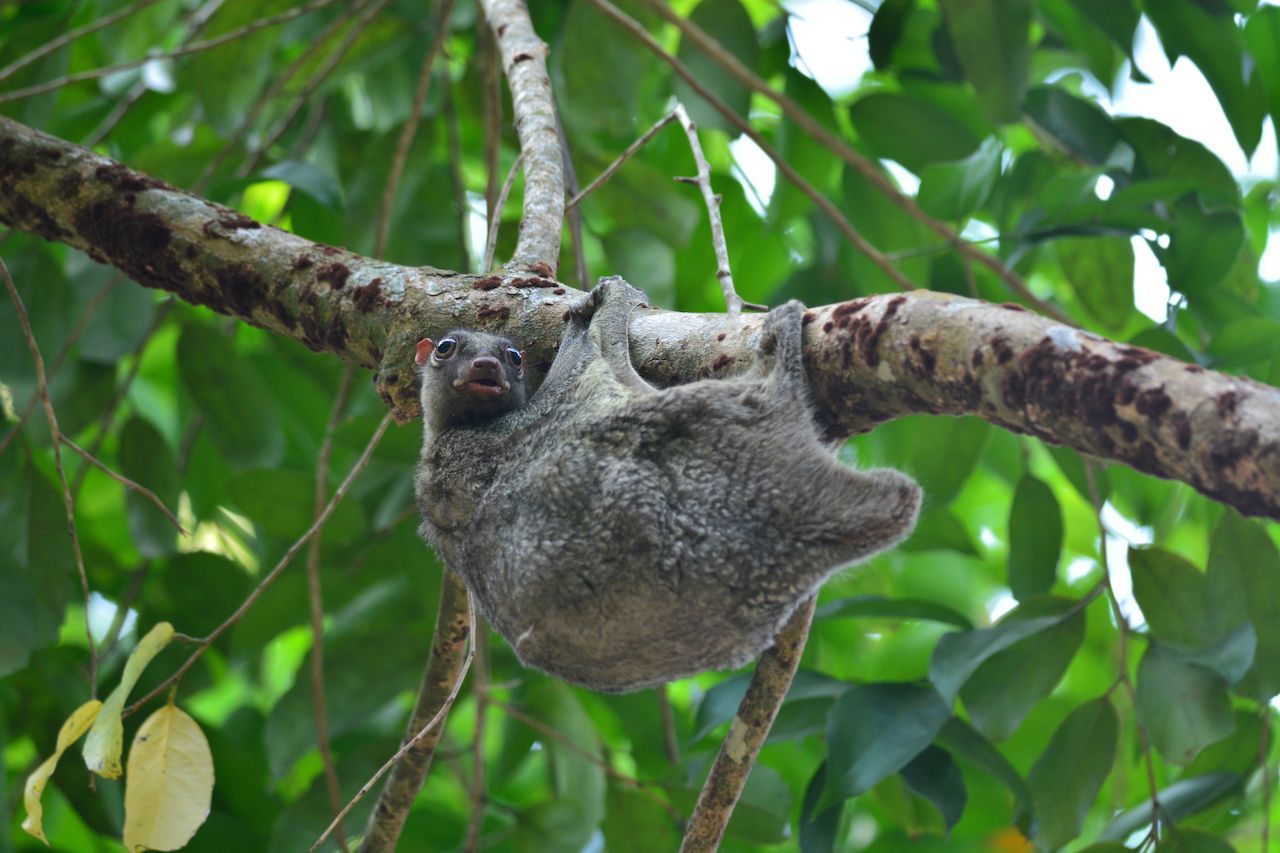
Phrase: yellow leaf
[105,742]
[74,726]
[169,784]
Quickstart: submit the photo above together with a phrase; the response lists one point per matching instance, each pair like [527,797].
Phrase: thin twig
[780,163]
[1264,746]
[480,688]
[668,726]
[492,119]
[864,166]
[747,732]
[195,25]
[122,608]
[71,35]
[315,601]
[732,301]
[644,788]
[524,59]
[461,209]
[369,11]
[68,502]
[446,668]
[271,576]
[410,127]
[495,214]
[107,415]
[1122,665]
[185,50]
[81,324]
[277,86]
[574,215]
[127,483]
[624,157]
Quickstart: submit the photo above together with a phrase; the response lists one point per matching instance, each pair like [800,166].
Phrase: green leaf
[1191,840]
[886,30]
[958,655]
[1000,694]
[282,502]
[1065,780]
[1245,343]
[955,190]
[877,606]
[875,730]
[1162,153]
[720,704]
[308,178]
[1117,18]
[1262,35]
[1216,45]
[1243,580]
[236,403]
[634,821]
[145,458]
[967,742]
[726,22]
[992,40]
[1078,125]
[1100,269]
[934,775]
[1171,593]
[940,530]
[1035,539]
[818,832]
[1185,707]
[1179,800]
[598,97]
[944,463]
[36,567]
[1202,247]
[911,129]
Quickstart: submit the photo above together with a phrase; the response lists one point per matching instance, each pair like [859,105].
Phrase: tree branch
[747,732]
[439,686]
[524,58]
[869,360]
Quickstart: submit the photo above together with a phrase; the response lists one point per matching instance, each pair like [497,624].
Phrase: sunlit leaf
[1066,778]
[72,728]
[170,783]
[105,743]
[990,37]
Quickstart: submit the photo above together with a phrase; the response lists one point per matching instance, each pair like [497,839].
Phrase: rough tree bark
[870,360]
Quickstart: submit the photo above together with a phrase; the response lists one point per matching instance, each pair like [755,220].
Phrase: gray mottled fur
[619,536]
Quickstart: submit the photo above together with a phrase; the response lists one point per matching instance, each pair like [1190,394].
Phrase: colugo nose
[486,364]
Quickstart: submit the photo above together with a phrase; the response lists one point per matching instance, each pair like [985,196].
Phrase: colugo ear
[425,347]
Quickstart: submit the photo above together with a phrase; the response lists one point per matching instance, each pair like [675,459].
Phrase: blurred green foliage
[969,690]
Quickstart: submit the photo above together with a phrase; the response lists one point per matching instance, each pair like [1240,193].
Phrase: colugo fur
[620,535]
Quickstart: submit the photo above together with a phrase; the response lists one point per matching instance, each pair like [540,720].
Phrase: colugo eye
[514,356]
[445,348]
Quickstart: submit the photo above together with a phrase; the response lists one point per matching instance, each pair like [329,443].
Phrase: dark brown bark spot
[488,282]
[335,275]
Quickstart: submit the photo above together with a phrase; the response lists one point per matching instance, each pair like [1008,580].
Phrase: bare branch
[495,213]
[68,501]
[315,602]
[480,689]
[524,58]
[869,360]
[270,576]
[446,669]
[769,684]
[71,35]
[732,301]
[410,127]
[622,158]
[126,482]
[575,215]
